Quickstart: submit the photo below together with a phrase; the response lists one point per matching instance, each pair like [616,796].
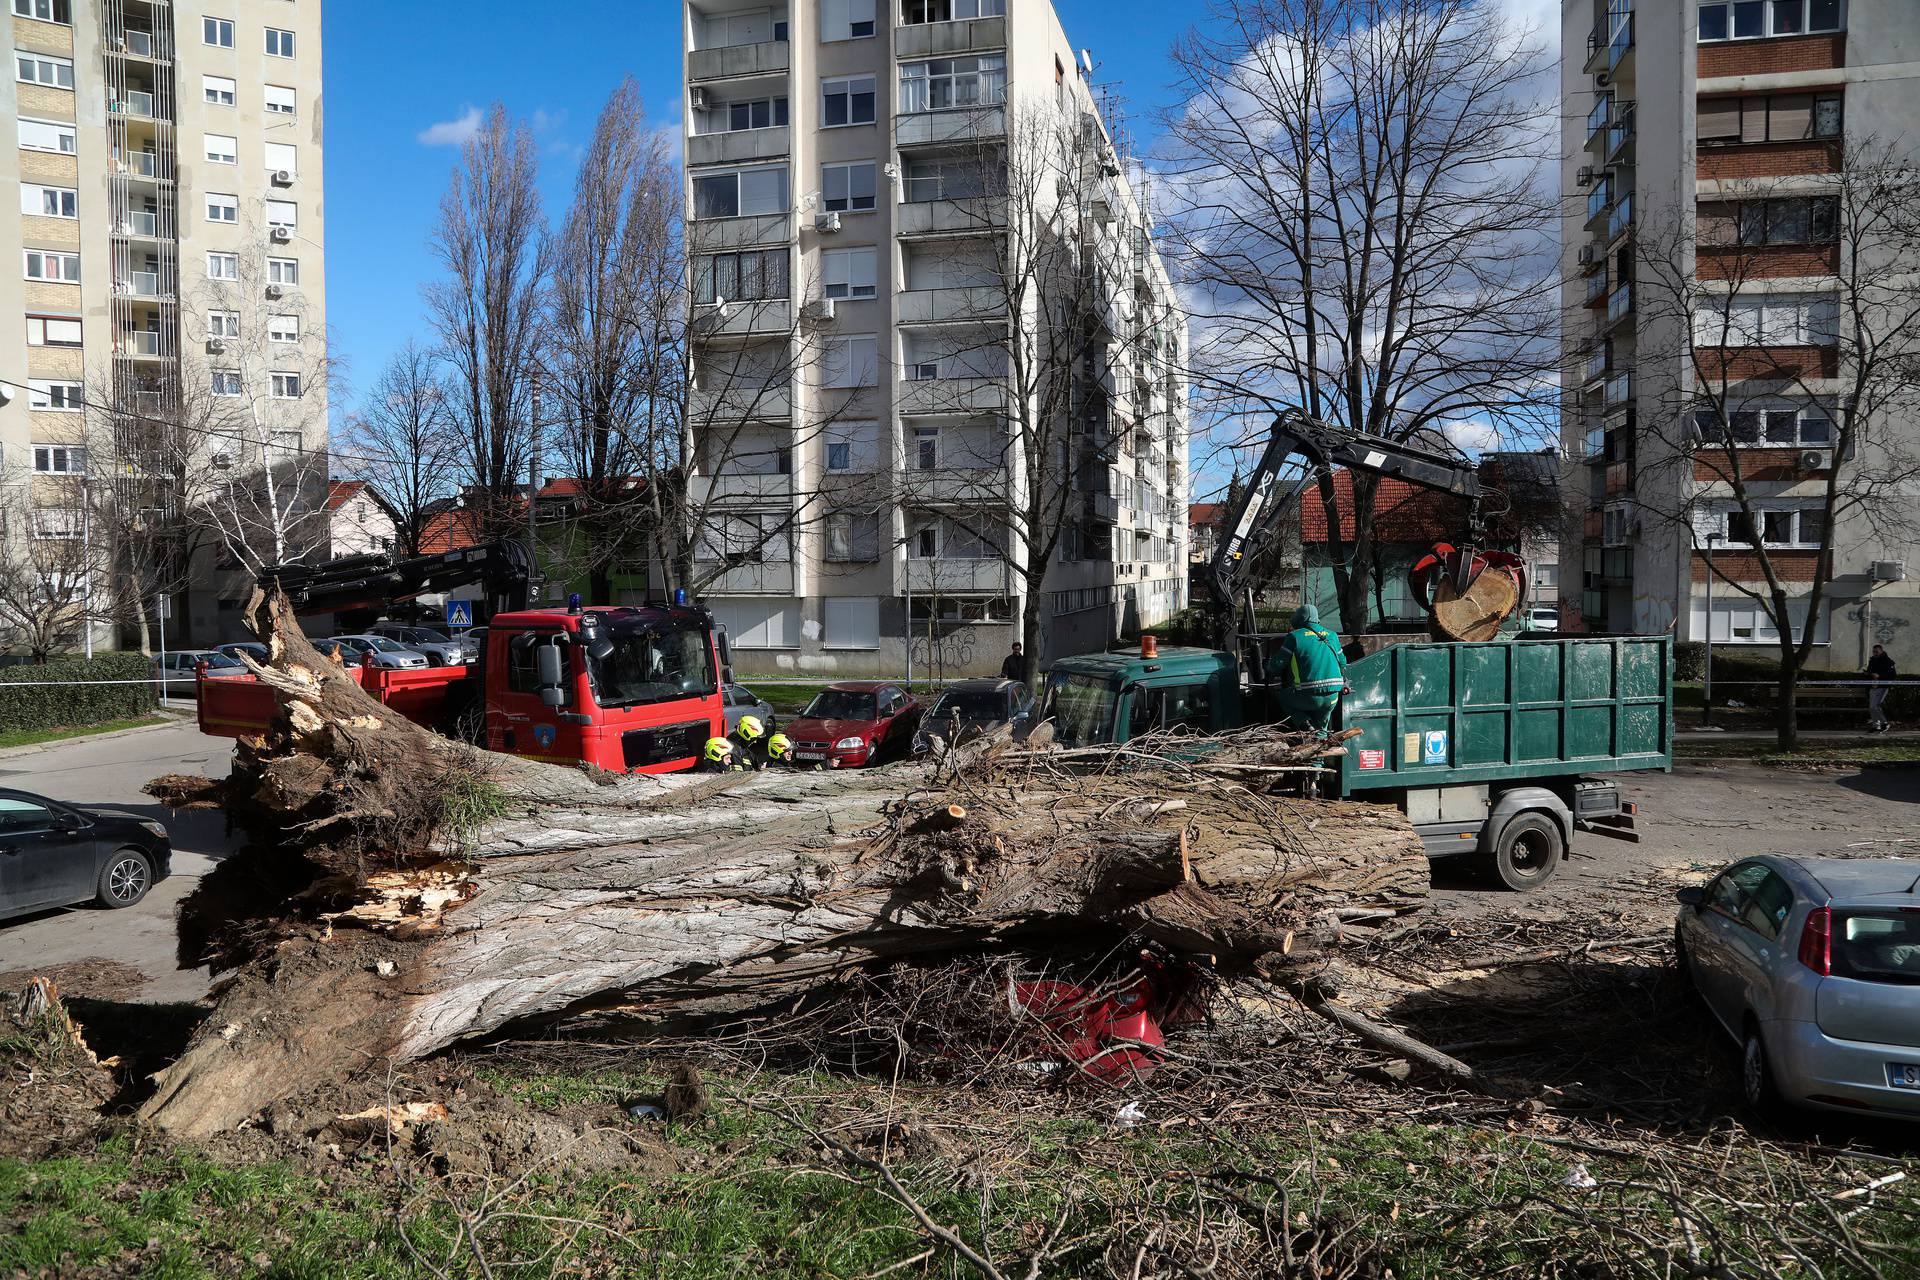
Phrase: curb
[35,748]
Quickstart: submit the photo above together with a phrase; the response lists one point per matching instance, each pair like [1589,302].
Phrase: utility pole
[533,489]
[1706,688]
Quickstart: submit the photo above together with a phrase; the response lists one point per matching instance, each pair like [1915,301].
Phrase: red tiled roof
[341,492]
[1202,513]
[450,531]
[1402,512]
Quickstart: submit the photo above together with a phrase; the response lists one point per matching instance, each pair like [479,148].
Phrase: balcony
[1103,506]
[138,222]
[140,284]
[135,103]
[740,319]
[934,396]
[1620,136]
[949,306]
[714,235]
[929,576]
[740,403]
[1620,390]
[1596,289]
[1620,221]
[941,39]
[1620,305]
[976,216]
[739,146]
[1599,200]
[1610,42]
[727,62]
[135,43]
[1619,478]
[736,489]
[952,486]
[140,344]
[1597,121]
[138,164]
[773,578]
[945,128]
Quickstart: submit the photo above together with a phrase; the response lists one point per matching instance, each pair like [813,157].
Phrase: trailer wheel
[1527,854]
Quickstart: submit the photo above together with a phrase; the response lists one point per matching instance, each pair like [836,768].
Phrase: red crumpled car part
[1103,1032]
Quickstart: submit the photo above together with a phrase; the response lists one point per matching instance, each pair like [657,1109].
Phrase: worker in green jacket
[1310,670]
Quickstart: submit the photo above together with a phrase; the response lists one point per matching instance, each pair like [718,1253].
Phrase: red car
[855,722]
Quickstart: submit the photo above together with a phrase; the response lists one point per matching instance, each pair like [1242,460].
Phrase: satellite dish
[6,395]
[1086,64]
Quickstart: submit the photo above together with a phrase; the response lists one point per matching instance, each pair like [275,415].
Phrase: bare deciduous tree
[53,570]
[1365,217]
[402,442]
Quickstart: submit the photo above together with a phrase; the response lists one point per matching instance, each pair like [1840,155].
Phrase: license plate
[1903,1075]
[809,755]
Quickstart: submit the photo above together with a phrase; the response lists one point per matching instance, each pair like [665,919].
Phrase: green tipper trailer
[1502,749]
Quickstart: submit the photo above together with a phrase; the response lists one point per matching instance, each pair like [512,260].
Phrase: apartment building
[1702,140]
[859,391]
[169,244]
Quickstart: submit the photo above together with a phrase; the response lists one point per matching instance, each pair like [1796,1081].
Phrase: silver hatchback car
[1813,966]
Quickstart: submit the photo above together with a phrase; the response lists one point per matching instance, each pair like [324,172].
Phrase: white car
[438,649]
[180,668]
[386,653]
[1543,617]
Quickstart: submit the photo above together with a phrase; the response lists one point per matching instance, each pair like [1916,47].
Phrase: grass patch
[468,803]
[32,737]
[1834,755]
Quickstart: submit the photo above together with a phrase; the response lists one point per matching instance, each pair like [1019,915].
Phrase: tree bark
[399,937]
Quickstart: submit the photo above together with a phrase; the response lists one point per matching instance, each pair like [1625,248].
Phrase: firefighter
[1311,671]
[780,749]
[750,743]
[718,757]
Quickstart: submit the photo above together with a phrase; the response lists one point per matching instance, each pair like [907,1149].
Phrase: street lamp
[1706,710]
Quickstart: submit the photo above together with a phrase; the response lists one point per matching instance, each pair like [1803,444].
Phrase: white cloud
[454,132]
[1472,437]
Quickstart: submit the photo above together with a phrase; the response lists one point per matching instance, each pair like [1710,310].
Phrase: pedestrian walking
[1015,666]
[1882,672]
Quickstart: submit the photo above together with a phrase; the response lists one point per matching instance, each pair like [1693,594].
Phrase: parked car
[1543,617]
[178,668]
[473,640]
[54,854]
[440,650]
[853,723]
[970,708]
[386,653]
[742,701]
[250,648]
[1812,965]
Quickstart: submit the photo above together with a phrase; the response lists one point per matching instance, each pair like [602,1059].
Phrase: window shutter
[1715,224]
[1753,120]
[1790,115]
[1719,119]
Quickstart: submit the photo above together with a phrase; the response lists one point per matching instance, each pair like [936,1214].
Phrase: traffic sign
[459,613]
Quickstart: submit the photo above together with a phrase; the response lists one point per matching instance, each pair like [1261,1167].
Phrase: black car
[54,855]
[973,707]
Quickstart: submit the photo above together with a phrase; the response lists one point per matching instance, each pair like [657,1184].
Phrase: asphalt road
[1700,816]
[109,771]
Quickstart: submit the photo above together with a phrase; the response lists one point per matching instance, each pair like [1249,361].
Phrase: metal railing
[1621,219]
[141,164]
[140,223]
[1620,303]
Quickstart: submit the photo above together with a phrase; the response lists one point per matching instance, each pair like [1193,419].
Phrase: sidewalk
[175,714]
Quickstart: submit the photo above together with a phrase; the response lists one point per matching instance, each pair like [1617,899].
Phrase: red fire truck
[629,689]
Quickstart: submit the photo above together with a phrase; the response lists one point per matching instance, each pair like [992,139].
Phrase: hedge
[50,695]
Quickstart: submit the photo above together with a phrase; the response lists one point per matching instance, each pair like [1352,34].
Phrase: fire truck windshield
[654,663]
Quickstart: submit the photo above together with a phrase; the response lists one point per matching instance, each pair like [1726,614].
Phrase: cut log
[406,935]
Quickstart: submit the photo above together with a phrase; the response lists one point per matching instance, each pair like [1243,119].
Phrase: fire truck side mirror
[726,655]
[552,670]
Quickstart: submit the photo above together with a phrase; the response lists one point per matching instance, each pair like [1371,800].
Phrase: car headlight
[849,744]
[155,828]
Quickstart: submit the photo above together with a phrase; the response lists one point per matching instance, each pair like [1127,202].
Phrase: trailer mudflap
[1619,826]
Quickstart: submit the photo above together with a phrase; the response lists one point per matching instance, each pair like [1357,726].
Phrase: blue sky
[388,84]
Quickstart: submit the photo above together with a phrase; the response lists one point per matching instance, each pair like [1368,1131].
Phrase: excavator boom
[369,583]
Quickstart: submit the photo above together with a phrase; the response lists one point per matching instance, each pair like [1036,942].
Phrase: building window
[947,84]
[226,382]
[1803,525]
[853,537]
[851,622]
[44,68]
[280,100]
[60,11]
[57,522]
[753,26]
[49,202]
[54,397]
[853,448]
[218,90]
[926,449]
[949,180]
[1768,320]
[849,273]
[53,331]
[1755,19]
[47,135]
[848,188]
[279,43]
[283,271]
[217,32]
[283,446]
[286,386]
[915,12]
[737,117]
[851,362]
[222,207]
[747,539]
[1778,117]
[44,264]
[846,101]
[754,276]
[283,213]
[741,193]
[221,149]
[283,329]
[223,324]
[846,19]
[223,266]
[282,157]
[59,460]
[1795,221]
[1777,428]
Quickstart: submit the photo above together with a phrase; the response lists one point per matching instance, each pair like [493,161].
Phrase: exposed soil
[95,977]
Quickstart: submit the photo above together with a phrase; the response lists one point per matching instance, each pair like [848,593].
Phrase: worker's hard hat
[718,749]
[779,746]
[751,728]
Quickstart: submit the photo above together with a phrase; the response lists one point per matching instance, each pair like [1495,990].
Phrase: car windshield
[385,645]
[1877,946]
[971,704]
[222,660]
[422,635]
[841,704]
[1081,708]
[653,664]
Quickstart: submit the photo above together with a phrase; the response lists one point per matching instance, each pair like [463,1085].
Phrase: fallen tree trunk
[406,931]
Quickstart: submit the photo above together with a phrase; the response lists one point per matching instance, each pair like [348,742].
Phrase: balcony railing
[1619,390]
[1621,41]
[1620,304]
[1598,200]
[1598,117]
[135,103]
[1596,287]
[1620,221]
[1620,131]
[140,223]
[139,343]
[141,164]
[141,284]
[1594,366]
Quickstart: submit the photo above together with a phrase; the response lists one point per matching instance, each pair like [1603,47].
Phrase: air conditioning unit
[827,223]
[819,309]
[275,292]
[1889,570]
[1585,177]
[216,346]
[222,461]
[283,177]
[1602,80]
[1589,255]
[922,372]
[1815,460]
[281,235]
[698,97]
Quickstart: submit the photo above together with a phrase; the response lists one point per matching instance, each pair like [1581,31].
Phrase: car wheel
[1527,854]
[124,880]
[1756,1071]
